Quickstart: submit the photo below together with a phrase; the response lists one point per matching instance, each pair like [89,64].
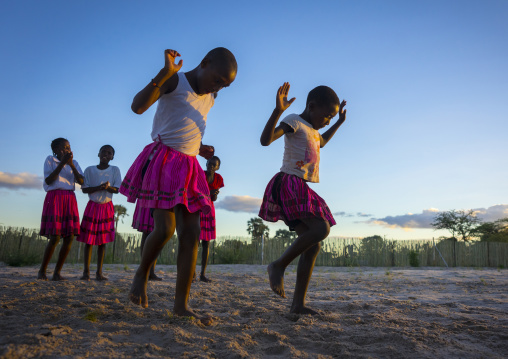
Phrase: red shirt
[217,182]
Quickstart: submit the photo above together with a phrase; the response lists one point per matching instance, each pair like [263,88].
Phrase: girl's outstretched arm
[325,137]
[164,82]
[270,133]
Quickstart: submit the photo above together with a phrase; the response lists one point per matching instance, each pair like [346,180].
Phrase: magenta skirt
[171,178]
[289,198]
[142,219]
[60,216]
[207,225]
[98,224]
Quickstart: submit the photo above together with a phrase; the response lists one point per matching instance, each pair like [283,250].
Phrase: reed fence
[23,246]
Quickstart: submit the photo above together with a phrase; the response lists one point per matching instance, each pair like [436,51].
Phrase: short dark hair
[323,95]
[57,142]
[214,157]
[100,149]
[223,58]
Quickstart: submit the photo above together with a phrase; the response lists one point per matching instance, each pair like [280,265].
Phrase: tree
[496,231]
[120,212]
[285,236]
[256,228]
[463,223]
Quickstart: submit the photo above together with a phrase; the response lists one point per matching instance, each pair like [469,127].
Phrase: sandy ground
[366,312]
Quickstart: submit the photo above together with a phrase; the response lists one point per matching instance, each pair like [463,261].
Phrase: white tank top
[180,118]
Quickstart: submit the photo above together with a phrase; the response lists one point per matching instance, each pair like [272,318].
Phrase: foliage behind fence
[23,246]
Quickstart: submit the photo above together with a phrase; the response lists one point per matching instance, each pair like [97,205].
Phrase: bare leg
[303,274]
[188,228]
[310,232]
[48,253]
[64,251]
[164,228]
[152,275]
[100,260]
[88,256]
[205,249]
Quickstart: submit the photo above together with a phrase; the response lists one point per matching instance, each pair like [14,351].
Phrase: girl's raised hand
[169,64]
[281,101]
[342,112]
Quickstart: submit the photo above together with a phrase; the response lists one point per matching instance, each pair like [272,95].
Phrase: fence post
[20,240]
[435,247]
[213,252]
[262,247]
[488,255]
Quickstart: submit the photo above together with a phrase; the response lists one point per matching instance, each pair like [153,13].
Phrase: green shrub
[414,261]
[21,260]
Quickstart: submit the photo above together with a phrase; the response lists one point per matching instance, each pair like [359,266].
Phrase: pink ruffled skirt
[60,216]
[289,198]
[207,225]
[142,219]
[171,178]
[98,224]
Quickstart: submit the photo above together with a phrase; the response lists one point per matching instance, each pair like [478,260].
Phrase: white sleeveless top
[180,118]
[301,149]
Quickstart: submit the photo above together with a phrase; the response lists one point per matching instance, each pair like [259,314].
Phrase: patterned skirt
[171,178]
[142,219]
[60,216]
[207,225]
[289,198]
[98,224]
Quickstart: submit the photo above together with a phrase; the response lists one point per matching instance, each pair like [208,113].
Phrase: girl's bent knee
[322,229]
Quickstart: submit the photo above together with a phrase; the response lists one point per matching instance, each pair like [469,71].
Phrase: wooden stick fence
[25,246]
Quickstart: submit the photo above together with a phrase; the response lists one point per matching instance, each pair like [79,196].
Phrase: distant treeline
[24,246]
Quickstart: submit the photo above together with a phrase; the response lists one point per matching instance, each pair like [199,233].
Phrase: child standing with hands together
[287,195]
[60,216]
[215,182]
[98,225]
[173,185]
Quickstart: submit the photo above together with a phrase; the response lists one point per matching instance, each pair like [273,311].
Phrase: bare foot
[137,294]
[86,276]
[276,277]
[42,276]
[204,319]
[100,277]
[303,310]
[154,277]
[204,279]
[58,277]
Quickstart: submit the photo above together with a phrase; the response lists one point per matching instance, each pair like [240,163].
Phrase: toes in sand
[42,276]
[206,320]
[276,277]
[304,310]
[57,277]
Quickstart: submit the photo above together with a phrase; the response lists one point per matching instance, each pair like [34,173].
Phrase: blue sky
[426,85]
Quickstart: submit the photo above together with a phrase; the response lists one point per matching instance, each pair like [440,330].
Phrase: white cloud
[240,204]
[408,221]
[345,214]
[424,219]
[492,213]
[20,180]
[361,214]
